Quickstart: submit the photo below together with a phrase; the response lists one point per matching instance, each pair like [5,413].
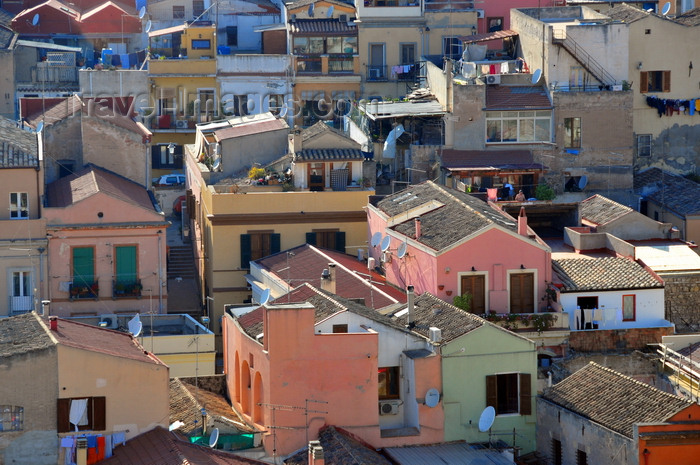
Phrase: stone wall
[682,299]
[616,339]
[215,384]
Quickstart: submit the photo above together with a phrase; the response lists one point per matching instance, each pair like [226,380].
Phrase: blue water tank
[107,56]
[224,50]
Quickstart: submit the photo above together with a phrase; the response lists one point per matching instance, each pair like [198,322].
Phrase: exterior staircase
[584,58]
[181,263]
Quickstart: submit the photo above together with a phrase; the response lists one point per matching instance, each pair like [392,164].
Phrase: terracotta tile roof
[602,274]
[162,447]
[459,216]
[57,112]
[689,18]
[91,180]
[340,448]
[320,128]
[256,127]
[310,155]
[22,334]
[613,400]
[300,3]
[601,210]
[326,26]
[187,401]
[485,37]
[517,98]
[8,37]
[308,262]
[676,193]
[626,13]
[18,148]
[489,159]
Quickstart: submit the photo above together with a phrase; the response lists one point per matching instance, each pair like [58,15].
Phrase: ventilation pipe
[410,303]
[522,222]
[418,228]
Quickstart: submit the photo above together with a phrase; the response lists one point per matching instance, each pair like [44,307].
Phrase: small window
[647,31]
[389,383]
[644,145]
[581,458]
[276,103]
[83,414]
[252,360]
[178,12]
[201,44]
[655,81]
[572,132]
[629,312]
[331,239]
[11,418]
[340,329]
[232,36]
[19,205]
[495,24]
[258,244]
[197,7]
[240,105]
[509,393]
[452,47]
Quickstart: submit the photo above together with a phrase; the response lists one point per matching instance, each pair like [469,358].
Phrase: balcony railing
[377,73]
[49,72]
[84,291]
[21,304]
[126,290]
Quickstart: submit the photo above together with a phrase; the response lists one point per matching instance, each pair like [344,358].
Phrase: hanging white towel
[504,68]
[78,412]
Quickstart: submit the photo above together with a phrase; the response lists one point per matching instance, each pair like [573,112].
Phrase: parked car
[170,180]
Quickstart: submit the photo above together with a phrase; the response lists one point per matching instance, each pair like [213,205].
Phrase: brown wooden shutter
[99,411]
[63,415]
[491,392]
[667,81]
[525,394]
[478,293]
[643,82]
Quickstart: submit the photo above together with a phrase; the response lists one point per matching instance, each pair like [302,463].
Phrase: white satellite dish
[666,8]
[175,425]
[149,25]
[40,126]
[135,326]
[35,20]
[486,419]
[329,13]
[401,252]
[432,397]
[217,164]
[376,239]
[311,10]
[386,242]
[536,76]
[582,182]
[142,12]
[214,437]
[265,296]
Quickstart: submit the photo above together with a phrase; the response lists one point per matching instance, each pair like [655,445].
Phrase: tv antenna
[311,10]
[486,420]
[142,12]
[149,25]
[35,20]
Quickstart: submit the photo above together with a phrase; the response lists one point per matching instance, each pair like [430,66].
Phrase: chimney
[409,302]
[522,222]
[295,139]
[418,228]
[316,453]
[53,323]
[81,451]
[328,278]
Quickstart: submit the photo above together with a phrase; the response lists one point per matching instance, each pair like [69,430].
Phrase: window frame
[656,81]
[330,239]
[557,452]
[450,42]
[96,413]
[18,211]
[276,103]
[403,47]
[390,387]
[200,44]
[232,36]
[247,255]
[634,307]
[178,12]
[644,145]
[12,415]
[135,276]
[572,132]
[523,393]
[196,12]
[522,272]
[72,265]
[519,117]
[471,277]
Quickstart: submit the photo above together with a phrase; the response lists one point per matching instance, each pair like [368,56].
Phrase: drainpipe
[160,271]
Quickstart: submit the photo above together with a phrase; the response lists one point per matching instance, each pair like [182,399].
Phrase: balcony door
[376,61]
[21,298]
[522,293]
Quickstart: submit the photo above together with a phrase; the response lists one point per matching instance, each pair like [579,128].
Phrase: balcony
[529,322]
[50,72]
[126,289]
[84,291]
[333,64]
[21,304]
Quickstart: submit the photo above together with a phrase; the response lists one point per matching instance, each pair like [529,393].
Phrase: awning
[312,94]
[343,94]
[496,35]
[167,30]
[64,48]
[382,110]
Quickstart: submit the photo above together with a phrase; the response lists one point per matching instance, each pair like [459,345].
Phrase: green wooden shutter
[245,251]
[275,242]
[311,238]
[340,241]
[525,394]
[83,265]
[491,392]
[126,264]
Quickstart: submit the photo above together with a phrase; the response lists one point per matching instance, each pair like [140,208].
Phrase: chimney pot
[410,304]
[53,323]
[522,222]
[328,278]
[418,228]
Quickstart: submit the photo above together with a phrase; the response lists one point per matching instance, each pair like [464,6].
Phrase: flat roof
[382,110]
[35,44]
[667,256]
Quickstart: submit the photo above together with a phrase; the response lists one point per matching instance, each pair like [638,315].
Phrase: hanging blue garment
[125,60]
[116,60]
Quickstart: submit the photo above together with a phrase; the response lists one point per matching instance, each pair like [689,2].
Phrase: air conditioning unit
[479,13]
[374,73]
[386,257]
[343,18]
[109,321]
[617,88]
[181,124]
[435,334]
[493,79]
[389,407]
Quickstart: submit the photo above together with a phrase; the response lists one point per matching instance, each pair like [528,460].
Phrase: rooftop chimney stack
[328,278]
[53,323]
[418,228]
[410,304]
[522,222]
[316,453]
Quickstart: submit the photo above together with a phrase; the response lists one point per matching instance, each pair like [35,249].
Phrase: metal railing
[559,37]
[126,289]
[84,291]
[377,73]
[21,304]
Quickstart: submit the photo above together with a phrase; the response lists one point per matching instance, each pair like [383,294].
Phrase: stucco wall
[616,339]
[63,140]
[7,84]
[682,293]
[114,83]
[649,307]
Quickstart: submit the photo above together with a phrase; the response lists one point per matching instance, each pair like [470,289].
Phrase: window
[178,12]
[509,393]
[376,68]
[331,239]
[240,105]
[344,45]
[232,36]
[19,205]
[408,54]
[495,24]
[577,78]
[21,292]
[308,46]
[518,126]
[475,285]
[258,244]
[581,458]
[87,413]
[389,383]
[83,266]
[340,329]
[276,103]
[197,7]
[629,311]
[644,145]
[655,81]
[572,132]
[162,158]
[201,44]
[11,418]
[522,289]
[452,47]
[556,452]
[126,264]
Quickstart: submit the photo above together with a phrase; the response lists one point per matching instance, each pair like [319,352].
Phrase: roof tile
[601,210]
[604,273]
[676,193]
[517,98]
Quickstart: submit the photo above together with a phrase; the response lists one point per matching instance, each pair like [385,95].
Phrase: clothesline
[669,107]
[99,446]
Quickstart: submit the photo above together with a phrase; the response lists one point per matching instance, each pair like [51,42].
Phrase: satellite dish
[40,126]
[376,239]
[35,19]
[135,325]
[666,8]
[536,76]
[149,25]
[142,12]
[217,164]
[386,242]
[582,182]
[214,437]
[486,419]
[265,296]
[432,397]
[176,425]
[329,13]
[311,10]
[401,252]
